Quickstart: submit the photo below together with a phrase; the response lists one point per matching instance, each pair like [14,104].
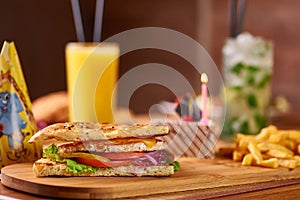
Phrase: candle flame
[204,78]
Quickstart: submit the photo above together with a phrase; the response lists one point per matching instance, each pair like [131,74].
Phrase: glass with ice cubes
[247,71]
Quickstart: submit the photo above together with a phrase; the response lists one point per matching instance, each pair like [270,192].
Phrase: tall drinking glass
[248,66]
[92,72]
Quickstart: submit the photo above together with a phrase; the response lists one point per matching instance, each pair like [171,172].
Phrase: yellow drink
[92,70]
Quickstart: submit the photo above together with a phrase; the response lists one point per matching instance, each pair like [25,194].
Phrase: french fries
[248,159]
[255,152]
[270,148]
[271,162]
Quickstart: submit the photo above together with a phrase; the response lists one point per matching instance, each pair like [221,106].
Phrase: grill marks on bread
[116,145]
[83,131]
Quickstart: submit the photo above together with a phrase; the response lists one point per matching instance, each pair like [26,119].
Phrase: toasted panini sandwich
[103,149]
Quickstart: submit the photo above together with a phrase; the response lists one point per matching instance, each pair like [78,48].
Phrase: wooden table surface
[291,190]
[285,192]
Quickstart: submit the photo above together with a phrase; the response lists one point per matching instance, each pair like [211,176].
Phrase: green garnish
[252,102]
[244,127]
[237,88]
[250,80]
[253,68]
[51,149]
[176,165]
[72,166]
[264,81]
[237,68]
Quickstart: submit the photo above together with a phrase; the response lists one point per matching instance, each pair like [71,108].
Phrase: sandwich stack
[103,149]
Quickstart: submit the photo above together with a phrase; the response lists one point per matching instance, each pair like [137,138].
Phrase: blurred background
[41,29]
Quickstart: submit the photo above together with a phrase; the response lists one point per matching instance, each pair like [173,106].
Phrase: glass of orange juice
[92,72]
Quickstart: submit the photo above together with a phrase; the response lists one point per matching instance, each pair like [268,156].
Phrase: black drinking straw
[232,11]
[236,16]
[98,20]
[241,14]
[78,21]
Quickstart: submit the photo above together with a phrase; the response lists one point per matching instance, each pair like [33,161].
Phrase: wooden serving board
[210,178]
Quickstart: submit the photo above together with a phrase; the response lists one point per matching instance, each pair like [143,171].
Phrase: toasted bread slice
[84,131]
[46,167]
[107,146]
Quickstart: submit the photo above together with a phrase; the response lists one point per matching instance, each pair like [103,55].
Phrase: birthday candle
[204,80]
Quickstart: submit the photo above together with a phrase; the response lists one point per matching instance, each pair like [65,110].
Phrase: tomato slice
[97,163]
[122,155]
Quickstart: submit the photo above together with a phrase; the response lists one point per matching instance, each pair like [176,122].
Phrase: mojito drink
[247,70]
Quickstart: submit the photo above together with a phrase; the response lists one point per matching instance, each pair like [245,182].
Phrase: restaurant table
[284,189]
[285,192]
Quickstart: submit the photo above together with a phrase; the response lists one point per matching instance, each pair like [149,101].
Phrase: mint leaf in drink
[244,128]
[250,80]
[252,68]
[252,101]
[236,69]
[264,81]
[267,46]
[237,88]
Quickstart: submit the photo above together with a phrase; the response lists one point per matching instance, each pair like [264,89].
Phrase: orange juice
[92,70]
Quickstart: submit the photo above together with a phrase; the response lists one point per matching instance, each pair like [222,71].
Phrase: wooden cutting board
[210,178]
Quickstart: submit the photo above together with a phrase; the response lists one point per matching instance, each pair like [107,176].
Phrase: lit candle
[204,80]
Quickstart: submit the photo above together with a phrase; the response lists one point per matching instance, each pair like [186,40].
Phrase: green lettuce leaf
[176,165]
[72,166]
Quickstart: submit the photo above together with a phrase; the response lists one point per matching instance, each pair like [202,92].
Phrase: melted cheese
[83,155]
[149,142]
